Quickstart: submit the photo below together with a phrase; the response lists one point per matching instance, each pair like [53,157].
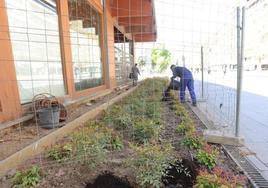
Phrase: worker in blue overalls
[186,80]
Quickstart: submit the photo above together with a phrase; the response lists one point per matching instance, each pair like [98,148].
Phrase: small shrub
[116,143]
[97,155]
[122,121]
[149,163]
[152,109]
[28,178]
[180,110]
[118,117]
[135,105]
[207,157]
[219,180]
[185,127]
[91,144]
[60,152]
[193,141]
[181,168]
[145,130]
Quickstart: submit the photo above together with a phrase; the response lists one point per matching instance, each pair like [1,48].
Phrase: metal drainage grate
[255,177]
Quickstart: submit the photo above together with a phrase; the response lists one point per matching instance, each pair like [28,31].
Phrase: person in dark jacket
[186,80]
[135,74]
[173,85]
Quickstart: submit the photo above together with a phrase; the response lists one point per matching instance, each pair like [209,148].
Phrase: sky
[184,26]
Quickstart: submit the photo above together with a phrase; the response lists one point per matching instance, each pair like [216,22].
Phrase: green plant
[122,121]
[92,143]
[219,178]
[152,109]
[149,163]
[145,130]
[207,157]
[27,178]
[185,127]
[141,61]
[116,143]
[118,117]
[180,110]
[60,152]
[193,141]
[161,58]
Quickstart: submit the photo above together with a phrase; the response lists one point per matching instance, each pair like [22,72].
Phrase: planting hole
[182,174]
[108,180]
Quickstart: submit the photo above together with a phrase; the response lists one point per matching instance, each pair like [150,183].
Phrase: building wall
[10,104]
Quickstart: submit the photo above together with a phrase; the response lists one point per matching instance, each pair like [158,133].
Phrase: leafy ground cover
[139,142]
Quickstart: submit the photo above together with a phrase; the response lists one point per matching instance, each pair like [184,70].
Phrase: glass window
[123,57]
[34,33]
[85,43]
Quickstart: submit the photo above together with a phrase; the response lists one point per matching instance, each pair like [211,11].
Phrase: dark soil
[108,180]
[178,178]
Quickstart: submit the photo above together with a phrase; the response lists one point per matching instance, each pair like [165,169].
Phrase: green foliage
[141,62]
[116,143]
[152,110]
[27,178]
[208,159]
[185,127]
[180,110]
[149,163]
[60,152]
[145,130]
[161,58]
[93,142]
[193,141]
[118,117]
[219,178]
[209,181]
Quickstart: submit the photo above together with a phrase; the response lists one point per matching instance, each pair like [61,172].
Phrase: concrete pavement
[220,97]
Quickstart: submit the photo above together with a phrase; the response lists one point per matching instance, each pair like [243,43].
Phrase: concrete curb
[39,146]
[213,135]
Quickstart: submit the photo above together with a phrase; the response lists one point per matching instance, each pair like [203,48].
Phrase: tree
[161,58]
[141,61]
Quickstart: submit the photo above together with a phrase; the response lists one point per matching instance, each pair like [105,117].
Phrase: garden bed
[139,142]
[17,137]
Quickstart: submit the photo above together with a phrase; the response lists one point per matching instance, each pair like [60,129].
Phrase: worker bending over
[186,80]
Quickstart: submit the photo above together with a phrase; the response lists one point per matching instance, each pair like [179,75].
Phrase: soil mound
[108,180]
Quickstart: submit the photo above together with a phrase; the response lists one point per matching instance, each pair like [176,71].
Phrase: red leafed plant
[219,177]
[228,176]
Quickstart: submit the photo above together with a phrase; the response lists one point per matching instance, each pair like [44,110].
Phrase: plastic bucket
[49,117]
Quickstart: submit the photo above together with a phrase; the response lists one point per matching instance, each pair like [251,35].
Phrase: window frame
[99,9]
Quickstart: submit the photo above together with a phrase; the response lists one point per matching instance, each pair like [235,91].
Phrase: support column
[10,106]
[109,46]
[66,51]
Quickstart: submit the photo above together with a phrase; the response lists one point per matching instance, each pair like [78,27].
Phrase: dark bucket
[174,85]
[49,117]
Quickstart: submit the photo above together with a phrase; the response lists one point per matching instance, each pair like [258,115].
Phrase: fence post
[202,73]
[240,54]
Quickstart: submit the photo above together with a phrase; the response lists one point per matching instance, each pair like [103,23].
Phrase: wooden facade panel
[66,47]
[9,95]
[133,8]
[110,38]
